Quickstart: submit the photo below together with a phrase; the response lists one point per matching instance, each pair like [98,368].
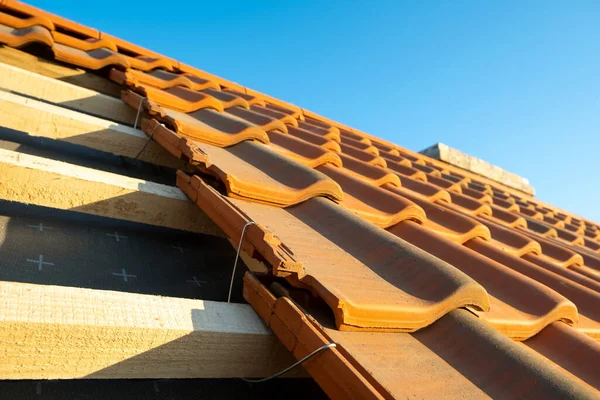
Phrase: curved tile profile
[227,99]
[571,349]
[93,59]
[18,37]
[520,307]
[569,273]
[446,222]
[369,158]
[586,299]
[266,123]
[303,152]
[410,172]
[458,357]
[372,203]
[509,240]
[361,145]
[204,125]
[160,79]
[369,173]
[467,205]
[179,98]
[445,184]
[253,172]
[479,196]
[396,158]
[285,118]
[250,99]
[426,190]
[331,134]
[338,249]
[21,23]
[81,44]
[314,139]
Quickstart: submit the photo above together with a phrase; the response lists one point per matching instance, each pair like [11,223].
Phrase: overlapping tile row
[457,356]
[389,239]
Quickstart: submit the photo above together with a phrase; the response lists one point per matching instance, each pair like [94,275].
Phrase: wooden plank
[65,94]
[53,332]
[42,119]
[49,183]
[63,72]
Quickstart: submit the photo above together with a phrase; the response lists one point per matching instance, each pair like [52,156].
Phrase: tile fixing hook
[137,116]
[294,365]
[236,259]
[149,139]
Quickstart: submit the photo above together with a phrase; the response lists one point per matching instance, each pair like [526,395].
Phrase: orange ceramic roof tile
[481,188]
[503,217]
[398,159]
[303,152]
[519,306]
[370,173]
[580,230]
[396,365]
[173,143]
[160,79]
[468,205]
[460,180]
[530,213]
[445,184]
[369,158]
[586,271]
[250,170]
[264,122]
[58,22]
[479,196]
[315,243]
[392,273]
[372,203]
[540,228]
[445,222]
[228,99]
[590,244]
[586,300]
[426,190]
[179,98]
[250,99]
[508,206]
[17,37]
[21,23]
[338,377]
[572,350]
[428,170]
[285,118]
[296,113]
[407,171]
[558,254]
[509,240]
[92,59]
[206,125]
[81,44]
[360,145]
[359,138]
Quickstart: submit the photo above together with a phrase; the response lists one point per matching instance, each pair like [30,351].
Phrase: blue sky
[516,83]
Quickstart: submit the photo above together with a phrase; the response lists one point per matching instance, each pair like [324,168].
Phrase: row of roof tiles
[389,239]
[21,24]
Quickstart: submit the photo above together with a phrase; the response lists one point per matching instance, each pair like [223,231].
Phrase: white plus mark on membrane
[196,281]
[41,227]
[124,275]
[40,262]
[117,236]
